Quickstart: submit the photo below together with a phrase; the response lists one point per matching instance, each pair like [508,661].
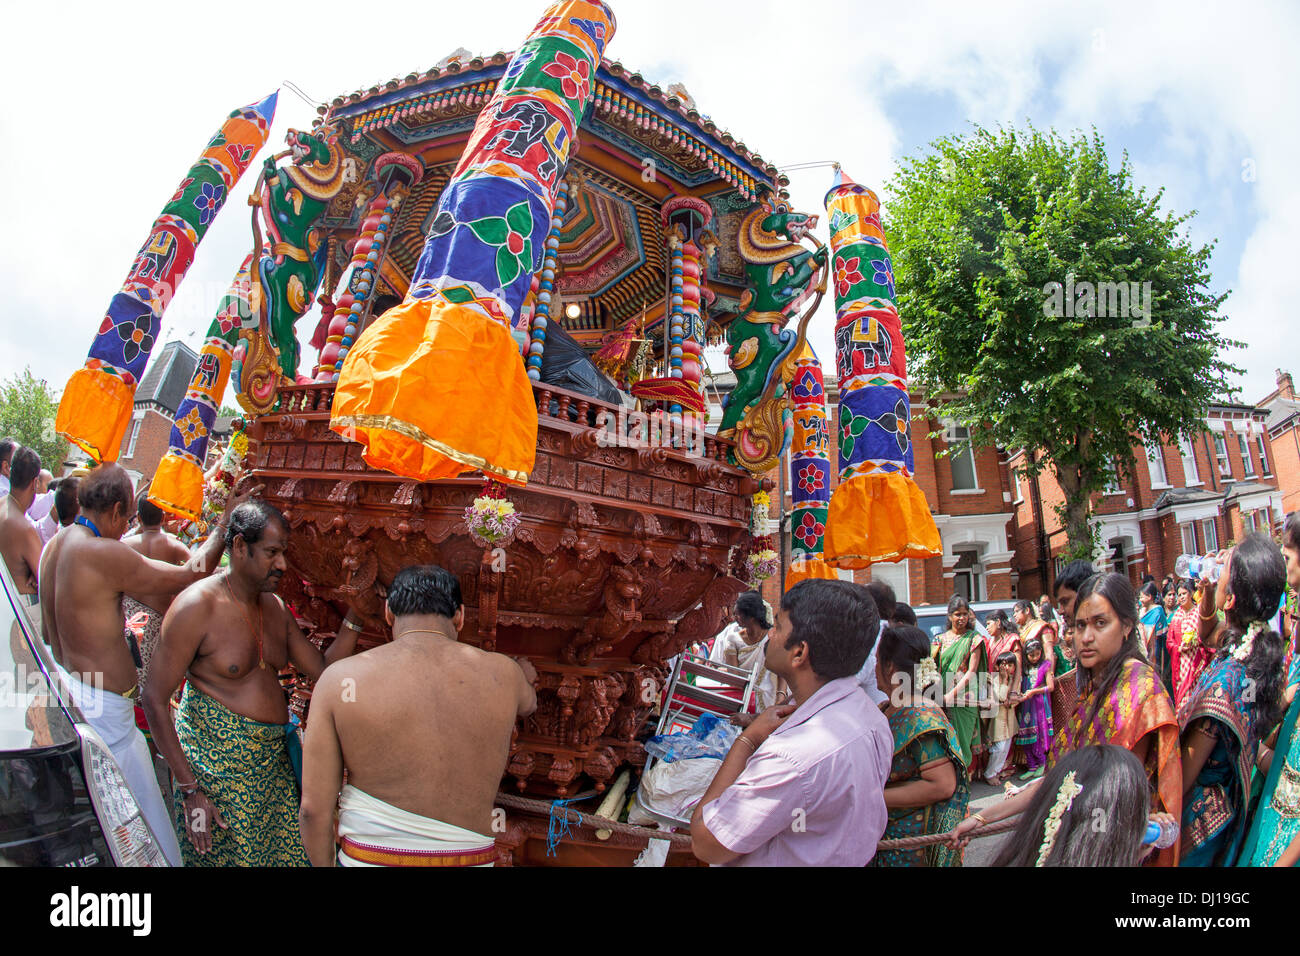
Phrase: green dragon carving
[760,349]
[290,200]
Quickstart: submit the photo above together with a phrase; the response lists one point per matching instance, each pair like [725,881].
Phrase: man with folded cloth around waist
[229,748]
[86,571]
[423,726]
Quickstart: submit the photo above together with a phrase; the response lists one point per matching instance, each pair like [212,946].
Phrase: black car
[63,799]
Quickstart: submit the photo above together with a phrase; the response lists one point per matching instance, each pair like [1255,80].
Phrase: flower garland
[1064,801]
[217,489]
[1243,651]
[492,519]
[762,562]
[760,523]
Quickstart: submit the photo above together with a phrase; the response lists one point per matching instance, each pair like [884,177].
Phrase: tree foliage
[979,228]
[27,412]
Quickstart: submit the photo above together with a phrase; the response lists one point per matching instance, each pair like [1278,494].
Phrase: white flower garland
[1064,801]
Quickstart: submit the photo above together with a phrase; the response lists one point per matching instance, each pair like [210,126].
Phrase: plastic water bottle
[1161,836]
[1183,566]
[1211,570]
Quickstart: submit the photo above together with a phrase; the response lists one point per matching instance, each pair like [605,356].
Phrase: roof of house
[168,377]
[1281,410]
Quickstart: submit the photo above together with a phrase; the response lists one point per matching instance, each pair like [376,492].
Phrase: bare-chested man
[88,572]
[228,637]
[423,726]
[20,542]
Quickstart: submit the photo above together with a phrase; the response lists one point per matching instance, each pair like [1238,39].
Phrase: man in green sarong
[229,636]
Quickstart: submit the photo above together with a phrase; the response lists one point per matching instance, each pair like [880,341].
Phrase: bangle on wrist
[980,818]
[188,789]
[351,626]
[749,743]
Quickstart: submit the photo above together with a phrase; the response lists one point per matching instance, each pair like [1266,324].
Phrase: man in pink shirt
[803,785]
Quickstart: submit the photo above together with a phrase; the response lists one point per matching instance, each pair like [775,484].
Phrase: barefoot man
[20,542]
[89,572]
[228,637]
[423,726]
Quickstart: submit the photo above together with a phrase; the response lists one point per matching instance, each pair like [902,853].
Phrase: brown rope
[543,808]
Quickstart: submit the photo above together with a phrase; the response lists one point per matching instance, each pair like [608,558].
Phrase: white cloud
[108,105]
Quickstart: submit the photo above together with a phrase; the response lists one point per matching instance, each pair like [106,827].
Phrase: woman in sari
[961,655]
[745,645]
[927,790]
[1187,655]
[1274,835]
[1121,702]
[1004,639]
[1235,702]
[1154,621]
[1032,627]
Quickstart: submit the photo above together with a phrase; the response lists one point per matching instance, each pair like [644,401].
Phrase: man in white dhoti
[423,726]
[86,572]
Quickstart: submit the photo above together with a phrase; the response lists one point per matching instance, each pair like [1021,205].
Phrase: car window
[30,717]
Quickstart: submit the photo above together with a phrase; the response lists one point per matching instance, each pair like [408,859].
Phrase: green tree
[1008,247]
[27,412]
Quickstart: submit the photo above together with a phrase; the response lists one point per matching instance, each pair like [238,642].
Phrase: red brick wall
[150,446]
[1284,456]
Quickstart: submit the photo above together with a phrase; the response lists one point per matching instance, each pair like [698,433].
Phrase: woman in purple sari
[1034,712]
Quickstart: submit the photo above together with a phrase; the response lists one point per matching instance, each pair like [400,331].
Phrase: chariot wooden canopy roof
[639,145]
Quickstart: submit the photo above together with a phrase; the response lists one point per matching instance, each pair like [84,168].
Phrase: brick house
[1191,497]
[1284,434]
[156,400]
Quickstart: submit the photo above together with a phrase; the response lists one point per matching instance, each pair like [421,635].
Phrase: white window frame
[1113,486]
[898,576]
[1263,457]
[136,422]
[1221,453]
[1245,456]
[1017,476]
[1210,535]
[1188,530]
[960,435]
[1156,466]
[1191,474]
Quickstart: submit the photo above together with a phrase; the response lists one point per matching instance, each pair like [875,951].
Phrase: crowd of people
[1173,705]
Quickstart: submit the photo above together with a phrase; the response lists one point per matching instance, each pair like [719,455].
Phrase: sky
[108,104]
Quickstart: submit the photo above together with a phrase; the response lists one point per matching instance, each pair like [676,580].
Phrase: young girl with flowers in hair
[1035,716]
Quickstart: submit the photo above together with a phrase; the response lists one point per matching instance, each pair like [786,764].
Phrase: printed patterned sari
[1214,817]
[1136,706]
[953,658]
[1277,818]
[923,735]
[1187,662]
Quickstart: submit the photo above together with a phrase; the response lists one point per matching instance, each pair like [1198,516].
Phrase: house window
[896,576]
[1245,456]
[962,459]
[1190,475]
[1156,465]
[1017,486]
[1117,557]
[1221,453]
[1189,537]
[968,574]
[135,434]
[1263,456]
[1113,487]
[1210,534]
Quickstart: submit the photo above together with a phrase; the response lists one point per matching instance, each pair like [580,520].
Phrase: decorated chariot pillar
[878,513]
[97,403]
[407,386]
[546,286]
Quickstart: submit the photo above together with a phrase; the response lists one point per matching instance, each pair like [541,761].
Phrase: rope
[572,816]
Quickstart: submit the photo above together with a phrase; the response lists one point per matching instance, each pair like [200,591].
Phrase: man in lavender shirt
[803,785]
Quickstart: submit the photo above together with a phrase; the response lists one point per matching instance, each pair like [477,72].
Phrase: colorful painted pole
[810,472]
[97,402]
[546,286]
[177,485]
[877,512]
[436,387]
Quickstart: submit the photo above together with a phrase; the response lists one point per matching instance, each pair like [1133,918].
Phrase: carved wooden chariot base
[622,557]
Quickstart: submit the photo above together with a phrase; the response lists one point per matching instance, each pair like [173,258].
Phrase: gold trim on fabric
[1286,794]
[417,434]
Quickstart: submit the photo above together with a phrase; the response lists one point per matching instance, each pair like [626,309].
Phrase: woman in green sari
[963,662]
[1274,835]
[927,790]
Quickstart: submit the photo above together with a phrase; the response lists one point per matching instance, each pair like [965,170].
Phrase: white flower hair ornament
[1064,801]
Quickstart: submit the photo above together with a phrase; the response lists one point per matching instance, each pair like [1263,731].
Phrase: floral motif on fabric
[510,235]
[847,274]
[574,75]
[136,337]
[208,202]
[810,530]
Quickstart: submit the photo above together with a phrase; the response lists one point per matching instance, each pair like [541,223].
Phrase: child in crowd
[1003,726]
[1035,714]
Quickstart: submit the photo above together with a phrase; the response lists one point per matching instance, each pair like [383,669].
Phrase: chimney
[1285,385]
